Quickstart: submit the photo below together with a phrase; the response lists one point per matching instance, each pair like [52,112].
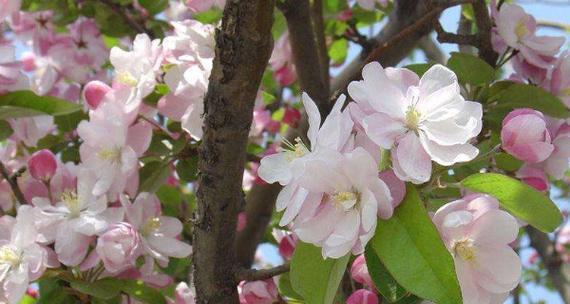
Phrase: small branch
[431,50]
[446,37]
[118,9]
[13,181]
[261,274]
[554,25]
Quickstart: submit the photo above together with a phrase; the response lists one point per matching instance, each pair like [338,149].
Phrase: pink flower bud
[94,92]
[183,294]
[42,165]
[534,177]
[345,15]
[292,117]
[359,272]
[525,136]
[362,296]
[28,61]
[258,292]
[118,247]
[287,246]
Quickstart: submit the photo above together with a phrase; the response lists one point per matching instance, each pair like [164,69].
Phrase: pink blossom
[557,164]
[340,201]
[518,31]
[478,235]
[563,243]
[11,78]
[397,187]
[75,219]
[291,117]
[183,294]
[118,247]
[287,242]
[22,260]
[525,136]
[560,81]
[28,61]
[157,233]
[7,7]
[204,5]
[42,165]
[533,176]
[281,61]
[370,4]
[36,27]
[258,292]
[30,130]
[94,92]
[418,120]
[359,272]
[362,296]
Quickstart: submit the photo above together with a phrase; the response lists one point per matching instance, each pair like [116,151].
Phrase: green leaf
[143,293]
[154,6]
[69,122]
[471,69]
[187,169]
[27,103]
[285,287]
[153,175]
[507,162]
[420,68]
[313,277]
[410,247]
[383,281]
[5,130]
[529,96]
[208,17]
[520,199]
[103,289]
[28,300]
[52,292]
[338,50]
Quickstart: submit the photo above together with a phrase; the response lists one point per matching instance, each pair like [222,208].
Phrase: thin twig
[13,181]
[118,9]
[261,274]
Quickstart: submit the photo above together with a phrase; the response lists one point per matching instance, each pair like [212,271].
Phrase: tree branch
[319,29]
[261,274]
[431,50]
[13,182]
[118,10]
[484,25]
[304,43]
[243,46]
[558,272]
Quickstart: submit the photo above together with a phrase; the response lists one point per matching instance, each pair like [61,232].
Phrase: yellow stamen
[71,201]
[150,226]
[126,78]
[465,250]
[8,256]
[412,119]
[521,30]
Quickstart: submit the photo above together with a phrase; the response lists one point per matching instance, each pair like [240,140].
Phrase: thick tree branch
[319,29]
[558,272]
[306,52]
[261,274]
[243,46]
[13,182]
[484,25]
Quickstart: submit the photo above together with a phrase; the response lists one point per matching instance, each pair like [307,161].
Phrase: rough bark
[243,46]
[558,272]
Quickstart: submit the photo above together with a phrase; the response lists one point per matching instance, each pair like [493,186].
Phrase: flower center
[296,150]
[126,78]
[150,226]
[113,155]
[521,30]
[9,256]
[412,118]
[465,250]
[71,201]
[346,200]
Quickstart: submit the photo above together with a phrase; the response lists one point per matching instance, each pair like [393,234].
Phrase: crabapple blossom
[183,294]
[397,187]
[359,272]
[75,219]
[518,31]
[22,260]
[118,247]
[341,204]
[362,296]
[525,136]
[533,176]
[94,92]
[157,233]
[7,7]
[281,61]
[560,79]
[137,69]
[557,163]
[11,78]
[286,241]
[419,121]
[204,5]
[42,165]
[562,243]
[478,235]
[257,292]
[37,28]
[30,130]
